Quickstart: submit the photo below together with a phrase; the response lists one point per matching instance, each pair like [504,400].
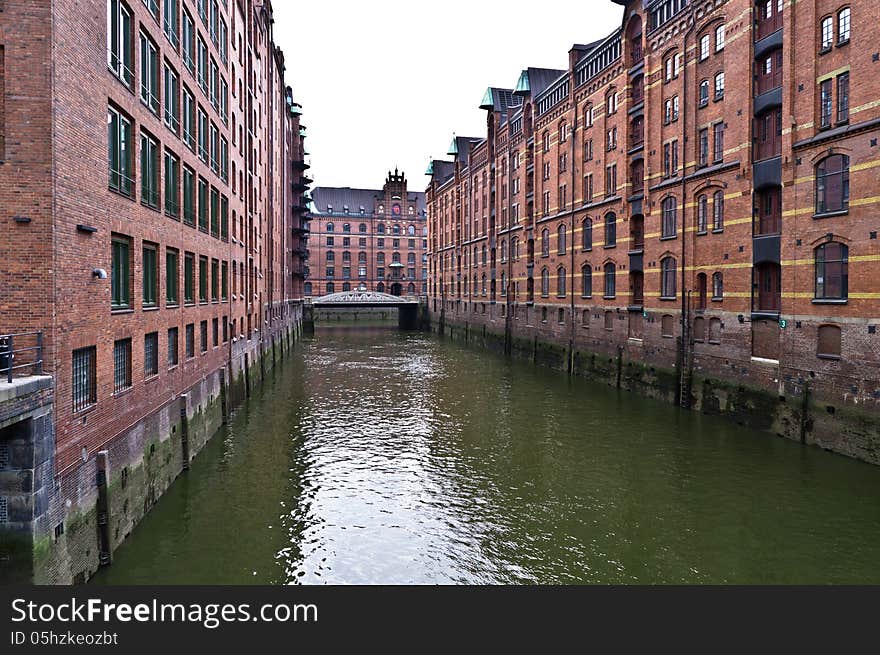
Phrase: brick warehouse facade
[151,180]
[688,210]
[375,238]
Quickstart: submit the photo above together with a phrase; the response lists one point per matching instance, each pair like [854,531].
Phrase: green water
[396,458]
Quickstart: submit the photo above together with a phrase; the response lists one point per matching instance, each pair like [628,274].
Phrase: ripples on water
[393,458]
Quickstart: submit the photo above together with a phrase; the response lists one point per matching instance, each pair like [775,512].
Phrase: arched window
[560,282]
[545,243]
[396,230]
[484,284]
[667,278]
[346,228]
[503,284]
[827,33]
[331,256]
[704,46]
[411,230]
[610,229]
[563,131]
[380,258]
[346,257]
[832,184]
[702,214]
[587,233]
[586,281]
[832,271]
[411,289]
[395,258]
[718,207]
[546,141]
[670,217]
[560,240]
[330,227]
[514,248]
[704,93]
[545,282]
[702,291]
[307,289]
[503,250]
[719,85]
[485,252]
[381,287]
[719,37]
[699,329]
[718,286]
[331,288]
[346,286]
[380,228]
[829,342]
[362,257]
[610,280]
[362,228]
[843,26]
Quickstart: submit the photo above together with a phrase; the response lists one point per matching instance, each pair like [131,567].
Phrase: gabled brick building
[692,202]
[151,174]
[376,238]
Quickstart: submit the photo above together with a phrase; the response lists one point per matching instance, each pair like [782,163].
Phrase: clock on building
[395,210]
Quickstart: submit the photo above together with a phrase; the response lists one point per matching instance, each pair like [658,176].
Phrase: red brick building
[375,238]
[689,209]
[151,174]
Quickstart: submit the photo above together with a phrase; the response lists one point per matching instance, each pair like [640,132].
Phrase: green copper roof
[295,110]
[488,100]
[522,86]
[453,147]
[302,132]
[430,170]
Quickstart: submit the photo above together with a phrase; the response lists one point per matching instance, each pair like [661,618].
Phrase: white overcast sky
[387,83]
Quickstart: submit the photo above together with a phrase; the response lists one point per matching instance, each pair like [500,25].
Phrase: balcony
[766,24]
[636,53]
[21,355]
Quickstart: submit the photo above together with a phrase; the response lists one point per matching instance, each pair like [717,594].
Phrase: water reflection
[395,458]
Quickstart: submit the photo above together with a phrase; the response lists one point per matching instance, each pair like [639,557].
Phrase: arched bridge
[408,306]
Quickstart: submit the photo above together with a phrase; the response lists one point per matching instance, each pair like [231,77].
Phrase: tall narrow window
[172,277]
[704,93]
[545,243]
[188,41]
[832,271]
[189,210]
[203,280]
[173,348]
[717,286]
[832,184]
[203,204]
[843,97]
[189,119]
[610,230]
[560,282]
[149,74]
[85,393]
[151,354]
[719,86]
[120,280]
[172,184]
[119,152]
[149,171]
[170,21]
[843,26]
[827,29]
[587,234]
[586,281]
[704,46]
[702,214]
[560,240]
[670,217]
[189,274]
[826,103]
[718,152]
[718,211]
[610,271]
[121,365]
[719,38]
[120,52]
[172,99]
[545,282]
[668,278]
[703,146]
[151,275]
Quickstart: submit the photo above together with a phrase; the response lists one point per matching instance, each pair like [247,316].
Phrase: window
[611,180]
[586,281]
[189,274]
[612,102]
[204,153]
[832,184]
[545,282]
[172,184]
[718,207]
[202,51]
[120,272]
[588,149]
[203,337]
[702,214]
[832,271]
[546,141]
[189,213]
[545,243]
[215,212]
[121,365]
[700,329]
[119,153]
[224,281]
[172,99]
[203,204]
[588,188]
[203,280]
[120,54]
[717,286]
[670,158]
[563,132]
[667,326]
[84,379]
[587,234]
[703,147]
[704,93]
[215,280]
[667,278]
[610,230]
[843,97]
[190,341]
[612,139]
[718,152]
[224,218]
[843,26]
[826,103]
[829,342]
[172,273]
[670,217]
[151,354]
[827,29]
[188,43]
[610,280]
[719,86]
[170,21]
[719,38]
[150,275]
[560,240]
[189,118]
[149,74]
[560,283]
[149,171]
[173,354]
[704,47]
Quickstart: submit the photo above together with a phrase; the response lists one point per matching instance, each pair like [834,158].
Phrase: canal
[394,458]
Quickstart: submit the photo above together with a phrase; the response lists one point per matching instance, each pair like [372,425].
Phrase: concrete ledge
[25,386]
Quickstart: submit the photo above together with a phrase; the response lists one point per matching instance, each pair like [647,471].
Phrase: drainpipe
[574,130]
[508,319]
